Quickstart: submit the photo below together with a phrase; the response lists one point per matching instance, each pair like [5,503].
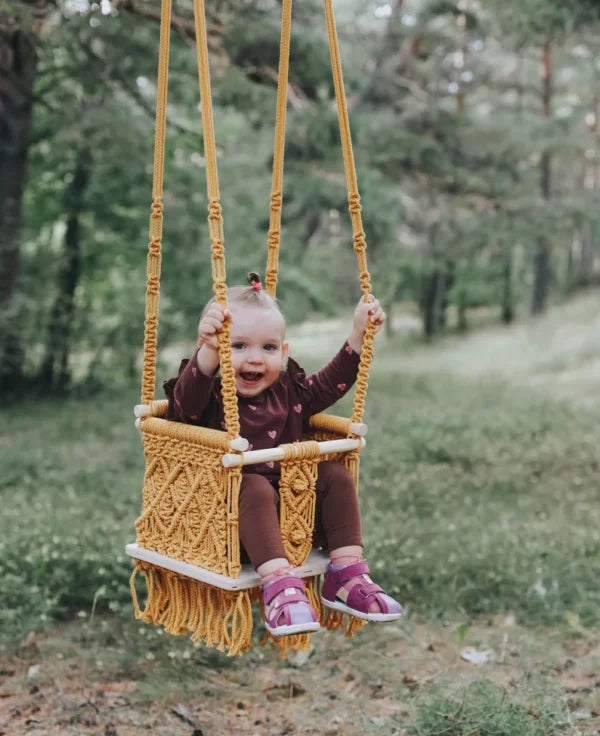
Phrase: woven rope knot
[214,210]
[354,204]
[153,285]
[154,248]
[276,201]
[297,536]
[156,208]
[273,239]
[220,291]
[359,240]
[300,485]
[217,249]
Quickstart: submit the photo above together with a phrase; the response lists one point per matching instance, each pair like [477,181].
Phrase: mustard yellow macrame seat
[187,545]
[190,516]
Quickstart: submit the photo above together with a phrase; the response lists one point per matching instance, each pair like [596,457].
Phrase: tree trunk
[508,312]
[541,263]
[541,270]
[428,293]
[461,322]
[18,63]
[586,266]
[55,372]
[433,300]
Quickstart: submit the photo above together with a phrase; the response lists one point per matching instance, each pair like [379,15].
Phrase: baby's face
[257,347]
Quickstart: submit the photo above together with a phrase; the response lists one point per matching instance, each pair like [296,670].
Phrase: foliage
[448,129]
[487,710]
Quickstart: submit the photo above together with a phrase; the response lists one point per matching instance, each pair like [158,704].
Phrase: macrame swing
[187,544]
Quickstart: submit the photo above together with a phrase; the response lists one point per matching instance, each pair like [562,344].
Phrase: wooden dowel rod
[276,453]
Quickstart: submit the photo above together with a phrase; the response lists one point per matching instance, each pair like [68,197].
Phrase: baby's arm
[326,386]
[365,312]
[210,326]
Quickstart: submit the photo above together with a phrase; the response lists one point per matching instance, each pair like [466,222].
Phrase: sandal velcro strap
[273,589]
[359,593]
[340,577]
[276,609]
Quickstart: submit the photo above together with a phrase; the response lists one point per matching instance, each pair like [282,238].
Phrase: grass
[70,494]
[488,505]
[478,492]
[483,709]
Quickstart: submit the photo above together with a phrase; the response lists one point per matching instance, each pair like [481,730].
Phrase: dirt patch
[371,684]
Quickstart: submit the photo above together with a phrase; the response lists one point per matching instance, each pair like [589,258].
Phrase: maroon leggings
[337,517]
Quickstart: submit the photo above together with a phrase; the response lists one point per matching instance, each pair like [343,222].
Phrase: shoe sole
[293,629]
[337,606]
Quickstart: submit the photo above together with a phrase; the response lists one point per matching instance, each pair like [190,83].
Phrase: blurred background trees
[475,127]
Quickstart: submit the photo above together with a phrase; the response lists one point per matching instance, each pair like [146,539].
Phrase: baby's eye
[269,346]
[237,345]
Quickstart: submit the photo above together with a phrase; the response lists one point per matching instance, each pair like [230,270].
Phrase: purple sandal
[293,607]
[357,601]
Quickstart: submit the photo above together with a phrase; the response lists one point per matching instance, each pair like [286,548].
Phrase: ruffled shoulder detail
[169,386]
[295,373]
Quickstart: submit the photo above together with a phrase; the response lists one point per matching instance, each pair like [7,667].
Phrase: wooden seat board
[248,578]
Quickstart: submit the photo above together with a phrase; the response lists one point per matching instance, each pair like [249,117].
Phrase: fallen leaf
[462,632]
[477,656]
[181,711]
[287,691]
[574,622]
[33,671]
[533,712]
[410,681]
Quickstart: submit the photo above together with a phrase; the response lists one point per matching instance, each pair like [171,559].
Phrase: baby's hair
[252,295]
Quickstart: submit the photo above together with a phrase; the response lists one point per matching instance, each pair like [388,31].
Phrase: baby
[275,405]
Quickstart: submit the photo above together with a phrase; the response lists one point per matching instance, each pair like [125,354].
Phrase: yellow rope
[220,618]
[156,217]
[297,491]
[179,519]
[276,201]
[215,222]
[354,206]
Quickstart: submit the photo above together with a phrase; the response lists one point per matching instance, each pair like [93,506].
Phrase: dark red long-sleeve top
[276,416]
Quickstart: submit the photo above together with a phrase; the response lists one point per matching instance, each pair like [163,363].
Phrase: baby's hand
[211,324]
[365,312]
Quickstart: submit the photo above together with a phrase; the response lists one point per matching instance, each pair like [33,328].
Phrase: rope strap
[354,206]
[153,264]
[215,218]
[215,223]
[276,202]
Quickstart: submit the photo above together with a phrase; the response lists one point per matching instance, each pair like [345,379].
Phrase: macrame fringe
[222,618]
[338,620]
[219,618]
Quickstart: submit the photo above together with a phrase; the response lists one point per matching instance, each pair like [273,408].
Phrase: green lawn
[479,498]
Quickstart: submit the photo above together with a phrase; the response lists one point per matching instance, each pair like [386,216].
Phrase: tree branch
[184,26]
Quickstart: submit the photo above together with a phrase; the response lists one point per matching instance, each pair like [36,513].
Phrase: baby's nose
[254,356]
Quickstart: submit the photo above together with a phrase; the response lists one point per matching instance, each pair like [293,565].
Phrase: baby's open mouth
[250,377]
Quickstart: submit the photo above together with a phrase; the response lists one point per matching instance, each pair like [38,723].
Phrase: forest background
[475,127]
[476,132]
